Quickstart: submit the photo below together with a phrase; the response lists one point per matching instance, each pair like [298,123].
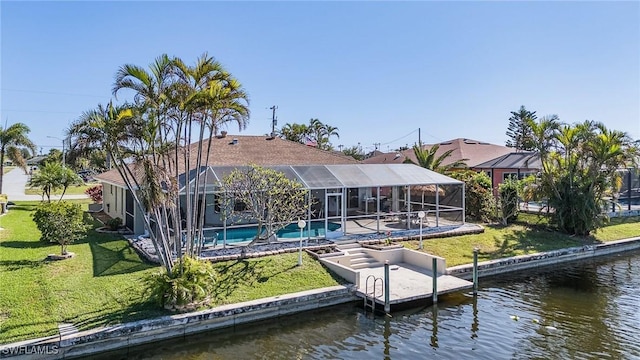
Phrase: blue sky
[376,70]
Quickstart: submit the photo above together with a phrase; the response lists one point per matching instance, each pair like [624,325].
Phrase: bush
[509,200]
[95,193]
[114,224]
[479,201]
[189,285]
[61,222]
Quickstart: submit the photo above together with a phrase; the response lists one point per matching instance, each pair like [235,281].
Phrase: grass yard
[101,285]
[72,190]
[6,169]
[529,235]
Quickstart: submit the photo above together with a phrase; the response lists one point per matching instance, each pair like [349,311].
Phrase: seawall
[124,336]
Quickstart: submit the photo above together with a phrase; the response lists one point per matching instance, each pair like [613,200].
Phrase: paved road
[14,182]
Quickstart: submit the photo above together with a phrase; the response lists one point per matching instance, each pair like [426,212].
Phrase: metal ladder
[371,295]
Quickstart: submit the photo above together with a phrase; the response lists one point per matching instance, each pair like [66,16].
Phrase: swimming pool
[291,231]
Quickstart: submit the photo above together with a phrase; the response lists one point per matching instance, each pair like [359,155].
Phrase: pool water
[291,231]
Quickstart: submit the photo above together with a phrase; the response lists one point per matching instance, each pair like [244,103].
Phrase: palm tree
[427,159]
[179,108]
[53,176]
[294,132]
[11,138]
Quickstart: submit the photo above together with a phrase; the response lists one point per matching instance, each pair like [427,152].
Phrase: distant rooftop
[475,151]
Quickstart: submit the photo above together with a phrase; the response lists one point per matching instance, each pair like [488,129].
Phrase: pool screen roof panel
[351,176]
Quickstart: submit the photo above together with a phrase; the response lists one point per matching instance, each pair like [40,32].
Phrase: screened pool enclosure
[344,200]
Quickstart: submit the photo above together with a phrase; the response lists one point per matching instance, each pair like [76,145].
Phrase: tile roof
[475,151]
[238,150]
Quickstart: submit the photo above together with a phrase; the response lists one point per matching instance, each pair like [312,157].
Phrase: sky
[383,73]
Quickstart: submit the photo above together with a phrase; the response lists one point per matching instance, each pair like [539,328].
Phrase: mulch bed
[101,216]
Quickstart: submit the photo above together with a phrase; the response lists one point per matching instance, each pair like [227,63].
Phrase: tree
[11,138]
[355,152]
[61,222]
[321,133]
[316,133]
[294,132]
[579,165]
[269,198]
[177,109]
[520,130]
[52,176]
[427,159]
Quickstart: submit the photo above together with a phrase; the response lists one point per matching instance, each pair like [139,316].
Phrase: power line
[400,138]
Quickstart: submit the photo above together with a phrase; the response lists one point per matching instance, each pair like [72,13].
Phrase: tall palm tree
[427,159]
[179,108]
[11,138]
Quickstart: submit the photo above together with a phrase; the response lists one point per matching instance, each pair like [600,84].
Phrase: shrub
[509,200]
[95,193]
[189,285]
[61,222]
[479,201]
[114,224]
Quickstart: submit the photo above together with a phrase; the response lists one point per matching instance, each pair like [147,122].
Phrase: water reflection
[588,311]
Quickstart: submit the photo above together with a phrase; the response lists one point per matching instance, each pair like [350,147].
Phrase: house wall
[499,174]
[113,198]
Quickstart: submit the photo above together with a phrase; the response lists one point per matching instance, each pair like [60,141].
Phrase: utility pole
[274,121]
[419,138]
[376,146]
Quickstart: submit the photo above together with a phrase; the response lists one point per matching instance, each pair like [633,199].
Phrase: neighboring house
[476,152]
[36,160]
[516,164]
[342,189]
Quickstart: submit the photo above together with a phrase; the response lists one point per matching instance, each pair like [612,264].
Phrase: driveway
[14,183]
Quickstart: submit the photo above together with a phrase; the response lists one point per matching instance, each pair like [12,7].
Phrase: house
[345,194]
[36,160]
[474,151]
[517,165]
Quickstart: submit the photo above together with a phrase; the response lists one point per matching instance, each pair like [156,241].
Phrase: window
[239,206]
[507,175]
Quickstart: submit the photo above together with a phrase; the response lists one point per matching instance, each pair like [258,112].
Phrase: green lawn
[72,190]
[102,284]
[529,235]
[6,169]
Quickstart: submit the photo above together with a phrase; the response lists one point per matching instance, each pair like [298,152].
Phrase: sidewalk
[14,183]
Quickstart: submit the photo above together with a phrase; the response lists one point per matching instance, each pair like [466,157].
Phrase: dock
[407,283]
[411,274]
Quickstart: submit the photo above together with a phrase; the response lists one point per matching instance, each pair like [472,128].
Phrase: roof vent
[223,134]
[234,141]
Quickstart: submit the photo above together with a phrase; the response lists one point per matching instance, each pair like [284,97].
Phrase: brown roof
[238,150]
[476,152]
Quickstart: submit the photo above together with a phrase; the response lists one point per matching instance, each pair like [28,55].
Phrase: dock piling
[475,271]
[387,301]
[435,280]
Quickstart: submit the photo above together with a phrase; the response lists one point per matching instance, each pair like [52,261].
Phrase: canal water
[587,310]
